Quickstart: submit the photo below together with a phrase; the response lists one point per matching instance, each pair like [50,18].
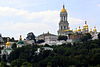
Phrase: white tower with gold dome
[63,24]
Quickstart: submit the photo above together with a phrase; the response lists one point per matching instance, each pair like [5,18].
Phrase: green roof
[20,42]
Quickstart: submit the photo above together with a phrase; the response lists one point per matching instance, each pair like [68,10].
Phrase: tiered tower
[63,24]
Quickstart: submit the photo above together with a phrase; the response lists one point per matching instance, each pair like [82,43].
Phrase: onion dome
[79,29]
[63,10]
[8,44]
[20,42]
[95,30]
[85,26]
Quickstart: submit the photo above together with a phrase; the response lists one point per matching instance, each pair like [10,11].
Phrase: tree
[62,37]
[14,45]
[31,36]
[99,36]
[25,52]
[86,37]
[3,64]
[17,63]
[26,64]
[12,39]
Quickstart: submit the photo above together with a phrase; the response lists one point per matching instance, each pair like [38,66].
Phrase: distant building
[76,34]
[42,49]
[47,37]
[63,24]
[20,43]
[7,49]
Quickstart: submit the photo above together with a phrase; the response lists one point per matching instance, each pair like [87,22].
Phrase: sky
[19,17]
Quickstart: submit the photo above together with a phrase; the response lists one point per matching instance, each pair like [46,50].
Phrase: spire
[63,6]
[79,27]
[20,37]
[85,22]
[63,9]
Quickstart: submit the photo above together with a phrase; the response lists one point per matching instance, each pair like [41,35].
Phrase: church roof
[20,42]
[8,44]
[46,34]
[63,9]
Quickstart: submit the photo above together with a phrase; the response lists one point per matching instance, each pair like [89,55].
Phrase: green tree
[3,64]
[99,36]
[62,37]
[17,63]
[86,37]
[14,45]
[31,36]
[26,64]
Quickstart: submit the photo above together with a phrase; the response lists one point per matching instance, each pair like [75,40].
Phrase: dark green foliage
[99,36]
[3,64]
[80,54]
[86,37]
[62,38]
[17,63]
[31,36]
[25,52]
[14,45]
[26,64]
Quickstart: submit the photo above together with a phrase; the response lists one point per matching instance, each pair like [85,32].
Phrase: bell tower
[63,24]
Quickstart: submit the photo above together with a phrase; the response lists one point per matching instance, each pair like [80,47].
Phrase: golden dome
[79,29]
[8,44]
[63,10]
[94,29]
[85,26]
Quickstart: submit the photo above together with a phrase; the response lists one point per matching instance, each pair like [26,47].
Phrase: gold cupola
[63,10]
[86,25]
[79,29]
[20,37]
[8,43]
[94,30]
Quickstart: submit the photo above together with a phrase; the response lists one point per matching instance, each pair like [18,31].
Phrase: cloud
[98,5]
[38,22]
[75,20]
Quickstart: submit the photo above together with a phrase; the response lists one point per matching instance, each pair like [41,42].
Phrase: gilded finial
[63,6]
[20,37]
[85,22]
[79,27]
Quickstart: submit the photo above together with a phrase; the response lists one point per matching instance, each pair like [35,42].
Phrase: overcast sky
[18,17]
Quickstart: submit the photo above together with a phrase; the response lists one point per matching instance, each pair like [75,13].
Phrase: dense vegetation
[79,54]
